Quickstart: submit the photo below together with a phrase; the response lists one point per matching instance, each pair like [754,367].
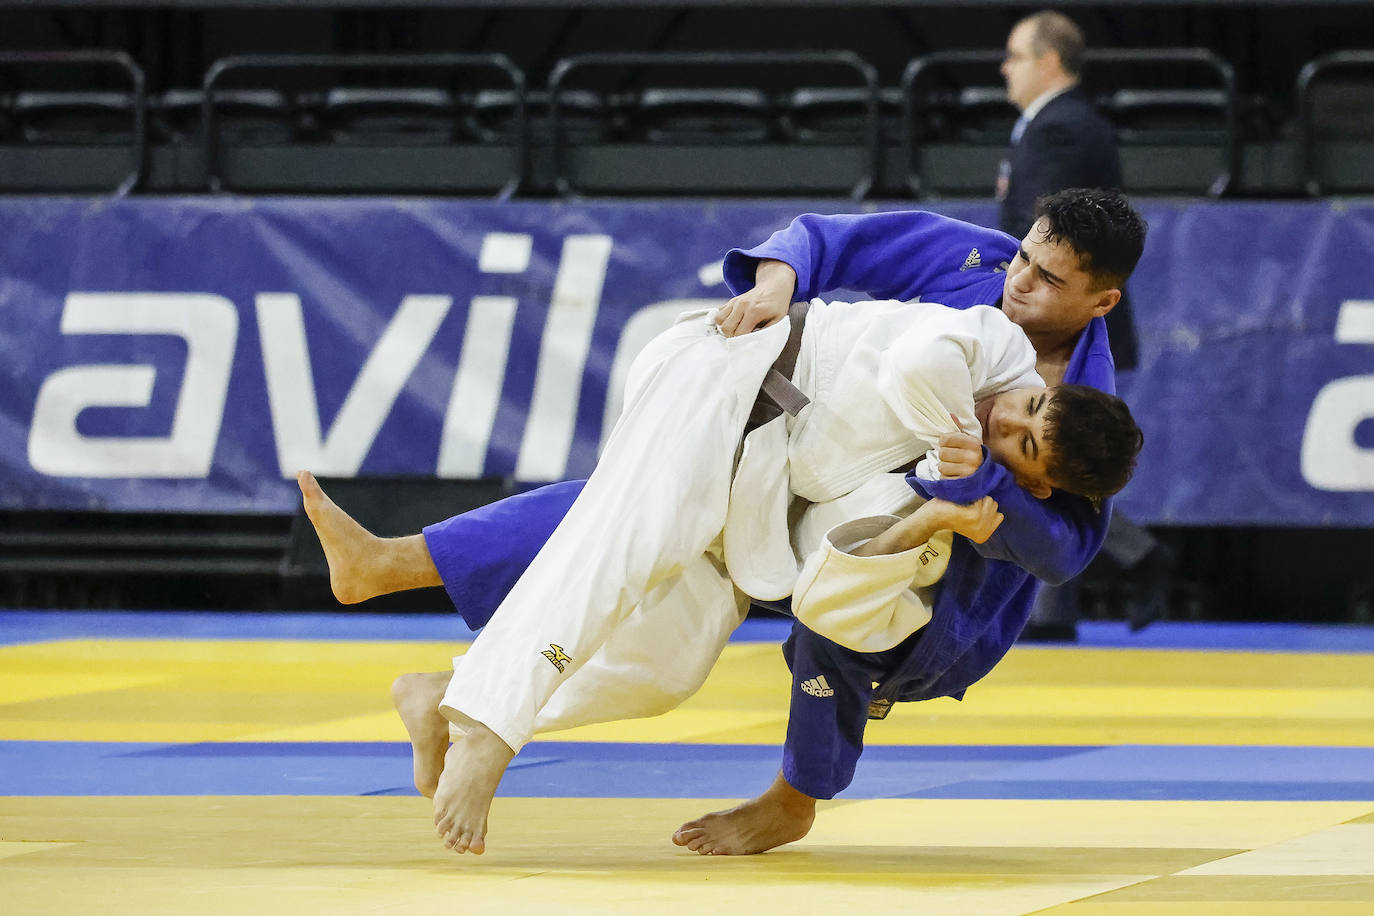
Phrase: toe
[685,835]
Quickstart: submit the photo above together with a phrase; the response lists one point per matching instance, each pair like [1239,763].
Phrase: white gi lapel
[757,550]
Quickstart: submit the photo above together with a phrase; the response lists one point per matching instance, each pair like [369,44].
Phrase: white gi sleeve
[867,604]
[942,366]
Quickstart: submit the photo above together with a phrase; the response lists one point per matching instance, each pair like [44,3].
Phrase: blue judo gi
[985,597]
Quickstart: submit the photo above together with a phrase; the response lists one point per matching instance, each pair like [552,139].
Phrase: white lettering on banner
[476,392]
[209,325]
[563,357]
[505,253]
[291,387]
[477,387]
[644,325]
[1331,458]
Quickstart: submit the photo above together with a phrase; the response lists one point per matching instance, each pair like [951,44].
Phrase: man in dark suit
[1062,141]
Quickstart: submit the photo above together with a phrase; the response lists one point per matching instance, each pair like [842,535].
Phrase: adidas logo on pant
[818,687]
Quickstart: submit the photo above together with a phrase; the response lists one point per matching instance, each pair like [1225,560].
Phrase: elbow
[1058,569]
[1055,576]
[1054,568]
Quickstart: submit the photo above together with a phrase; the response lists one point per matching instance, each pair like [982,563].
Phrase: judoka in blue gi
[483,703]
[1060,282]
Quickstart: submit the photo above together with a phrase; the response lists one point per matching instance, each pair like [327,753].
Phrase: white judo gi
[630,602]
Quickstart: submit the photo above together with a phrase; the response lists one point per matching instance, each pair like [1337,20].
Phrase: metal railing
[281,62]
[138,86]
[869,76]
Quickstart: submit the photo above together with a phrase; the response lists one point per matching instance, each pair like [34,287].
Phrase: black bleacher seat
[74,118]
[700,116]
[1343,108]
[979,115]
[837,115]
[1335,127]
[265,116]
[586,116]
[390,116]
[1182,117]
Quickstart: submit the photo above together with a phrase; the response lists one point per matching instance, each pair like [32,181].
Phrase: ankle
[794,802]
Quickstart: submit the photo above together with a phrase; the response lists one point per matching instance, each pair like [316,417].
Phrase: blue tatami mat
[39,626]
[580,769]
[42,626]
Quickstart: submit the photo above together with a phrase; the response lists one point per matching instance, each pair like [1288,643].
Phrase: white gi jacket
[629,603]
[885,380]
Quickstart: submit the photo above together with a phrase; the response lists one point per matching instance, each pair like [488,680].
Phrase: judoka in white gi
[631,600]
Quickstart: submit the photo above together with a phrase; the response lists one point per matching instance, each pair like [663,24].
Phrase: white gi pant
[628,605]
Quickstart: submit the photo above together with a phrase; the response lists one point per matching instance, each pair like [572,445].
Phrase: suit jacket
[1069,144]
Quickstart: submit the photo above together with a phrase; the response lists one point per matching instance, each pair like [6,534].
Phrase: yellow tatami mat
[378,855]
[265,776]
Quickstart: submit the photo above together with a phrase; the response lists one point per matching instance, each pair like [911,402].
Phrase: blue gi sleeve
[897,255]
[1053,539]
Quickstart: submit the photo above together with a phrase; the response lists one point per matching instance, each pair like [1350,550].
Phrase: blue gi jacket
[985,597]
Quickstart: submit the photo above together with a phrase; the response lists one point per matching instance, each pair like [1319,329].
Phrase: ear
[1037,488]
[1106,301]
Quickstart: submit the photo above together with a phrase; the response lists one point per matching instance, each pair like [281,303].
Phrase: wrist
[776,276]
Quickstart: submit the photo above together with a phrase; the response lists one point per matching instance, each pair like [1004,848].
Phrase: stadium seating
[730,123]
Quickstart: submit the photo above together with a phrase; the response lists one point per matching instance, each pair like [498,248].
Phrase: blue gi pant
[825,730]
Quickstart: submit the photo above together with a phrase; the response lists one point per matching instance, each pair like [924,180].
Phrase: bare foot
[780,815]
[348,546]
[473,768]
[417,699]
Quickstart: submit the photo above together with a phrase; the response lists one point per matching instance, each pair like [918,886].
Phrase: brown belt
[777,394]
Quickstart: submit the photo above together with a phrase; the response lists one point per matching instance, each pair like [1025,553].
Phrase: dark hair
[1095,439]
[1101,226]
[1057,32]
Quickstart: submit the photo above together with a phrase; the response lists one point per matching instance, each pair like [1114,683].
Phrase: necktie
[1018,129]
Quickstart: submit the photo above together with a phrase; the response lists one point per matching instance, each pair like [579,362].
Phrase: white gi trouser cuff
[484,710]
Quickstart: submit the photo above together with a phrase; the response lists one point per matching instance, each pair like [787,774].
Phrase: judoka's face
[1014,431]
[1048,293]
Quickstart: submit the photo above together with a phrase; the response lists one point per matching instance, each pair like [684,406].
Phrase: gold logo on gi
[556,656]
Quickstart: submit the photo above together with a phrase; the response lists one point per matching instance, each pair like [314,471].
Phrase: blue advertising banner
[192,354]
